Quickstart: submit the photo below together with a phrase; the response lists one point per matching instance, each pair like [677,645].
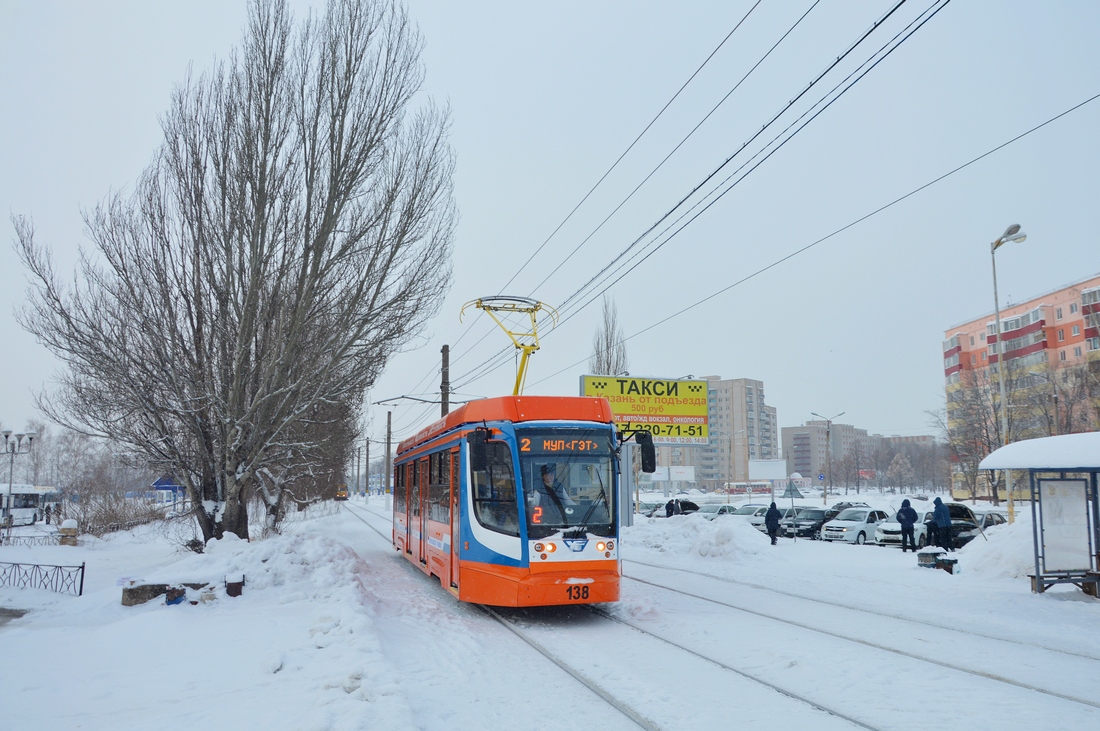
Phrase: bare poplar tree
[293,231]
[608,346]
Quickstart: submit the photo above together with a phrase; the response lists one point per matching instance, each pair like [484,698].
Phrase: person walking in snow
[907,517]
[771,522]
[942,518]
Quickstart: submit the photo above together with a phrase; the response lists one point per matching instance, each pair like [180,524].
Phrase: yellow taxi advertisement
[673,410]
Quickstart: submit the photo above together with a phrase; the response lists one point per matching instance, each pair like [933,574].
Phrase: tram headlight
[601,546]
[550,548]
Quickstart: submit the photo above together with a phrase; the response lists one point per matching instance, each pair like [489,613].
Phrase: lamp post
[1012,233]
[14,444]
[828,455]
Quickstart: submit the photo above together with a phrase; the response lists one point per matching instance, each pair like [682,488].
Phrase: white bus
[26,504]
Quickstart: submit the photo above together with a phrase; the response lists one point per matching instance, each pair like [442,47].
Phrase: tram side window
[439,506]
[494,491]
[413,472]
[399,489]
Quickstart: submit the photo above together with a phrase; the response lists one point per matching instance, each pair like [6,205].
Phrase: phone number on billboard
[668,430]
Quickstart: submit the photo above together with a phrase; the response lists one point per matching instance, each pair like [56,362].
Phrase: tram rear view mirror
[649,452]
[479,456]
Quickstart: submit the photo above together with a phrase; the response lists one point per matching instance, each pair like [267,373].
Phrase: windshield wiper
[592,507]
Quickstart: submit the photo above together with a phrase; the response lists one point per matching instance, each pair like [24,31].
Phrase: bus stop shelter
[1063,473]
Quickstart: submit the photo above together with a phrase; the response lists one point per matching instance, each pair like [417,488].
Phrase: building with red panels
[1059,326]
[1051,358]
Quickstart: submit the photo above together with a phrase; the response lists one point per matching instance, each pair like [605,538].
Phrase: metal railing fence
[62,579]
[39,540]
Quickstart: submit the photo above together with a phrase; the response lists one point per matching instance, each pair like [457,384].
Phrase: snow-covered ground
[335,631]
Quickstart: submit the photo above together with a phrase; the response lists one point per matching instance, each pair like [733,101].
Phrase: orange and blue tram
[512,501]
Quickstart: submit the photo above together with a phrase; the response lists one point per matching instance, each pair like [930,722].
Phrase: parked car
[686,506]
[989,520]
[710,511]
[854,525]
[964,527]
[751,509]
[647,509]
[844,505]
[757,519]
[807,523]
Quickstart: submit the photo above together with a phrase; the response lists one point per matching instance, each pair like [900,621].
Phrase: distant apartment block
[805,448]
[742,427]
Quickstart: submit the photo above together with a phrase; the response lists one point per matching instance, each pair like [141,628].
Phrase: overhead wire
[664,108]
[862,70]
[840,230]
[494,362]
[783,110]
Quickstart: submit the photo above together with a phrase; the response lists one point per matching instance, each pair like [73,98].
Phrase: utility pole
[366,488]
[828,455]
[389,462]
[358,454]
[445,384]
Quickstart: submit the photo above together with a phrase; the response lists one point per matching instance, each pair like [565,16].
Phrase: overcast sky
[545,98]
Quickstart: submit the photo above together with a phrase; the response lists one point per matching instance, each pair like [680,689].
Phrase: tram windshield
[567,480]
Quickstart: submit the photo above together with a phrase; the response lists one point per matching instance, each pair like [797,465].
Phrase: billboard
[673,410]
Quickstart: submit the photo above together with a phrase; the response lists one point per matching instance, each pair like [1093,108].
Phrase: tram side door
[456,517]
[425,496]
[412,505]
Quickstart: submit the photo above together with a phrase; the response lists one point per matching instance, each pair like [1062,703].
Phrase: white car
[854,525]
[889,532]
[757,518]
[710,511]
[964,526]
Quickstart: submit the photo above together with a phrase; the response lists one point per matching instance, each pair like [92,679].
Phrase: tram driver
[550,491]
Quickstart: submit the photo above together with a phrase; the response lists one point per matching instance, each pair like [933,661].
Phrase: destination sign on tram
[673,410]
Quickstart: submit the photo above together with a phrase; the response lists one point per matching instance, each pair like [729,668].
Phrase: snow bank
[298,649]
[682,535]
[1008,554]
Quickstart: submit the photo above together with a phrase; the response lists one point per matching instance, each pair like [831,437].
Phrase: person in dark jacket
[907,517]
[670,508]
[771,522]
[942,517]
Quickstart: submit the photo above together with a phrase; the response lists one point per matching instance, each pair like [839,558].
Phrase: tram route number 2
[576,593]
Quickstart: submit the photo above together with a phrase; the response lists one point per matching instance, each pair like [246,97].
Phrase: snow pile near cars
[724,537]
[1008,554]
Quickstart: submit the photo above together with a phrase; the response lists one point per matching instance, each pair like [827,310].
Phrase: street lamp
[14,444]
[828,455]
[1012,233]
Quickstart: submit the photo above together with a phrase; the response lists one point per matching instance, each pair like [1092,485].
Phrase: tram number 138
[576,593]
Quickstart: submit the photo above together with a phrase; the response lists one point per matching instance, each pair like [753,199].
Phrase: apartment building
[1051,359]
[810,449]
[1057,327]
[742,427]
[1054,333]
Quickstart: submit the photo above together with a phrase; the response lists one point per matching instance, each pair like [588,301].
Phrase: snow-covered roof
[1066,452]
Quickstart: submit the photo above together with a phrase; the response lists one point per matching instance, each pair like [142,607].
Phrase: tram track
[625,709]
[865,610]
[782,670]
[998,677]
[639,717]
